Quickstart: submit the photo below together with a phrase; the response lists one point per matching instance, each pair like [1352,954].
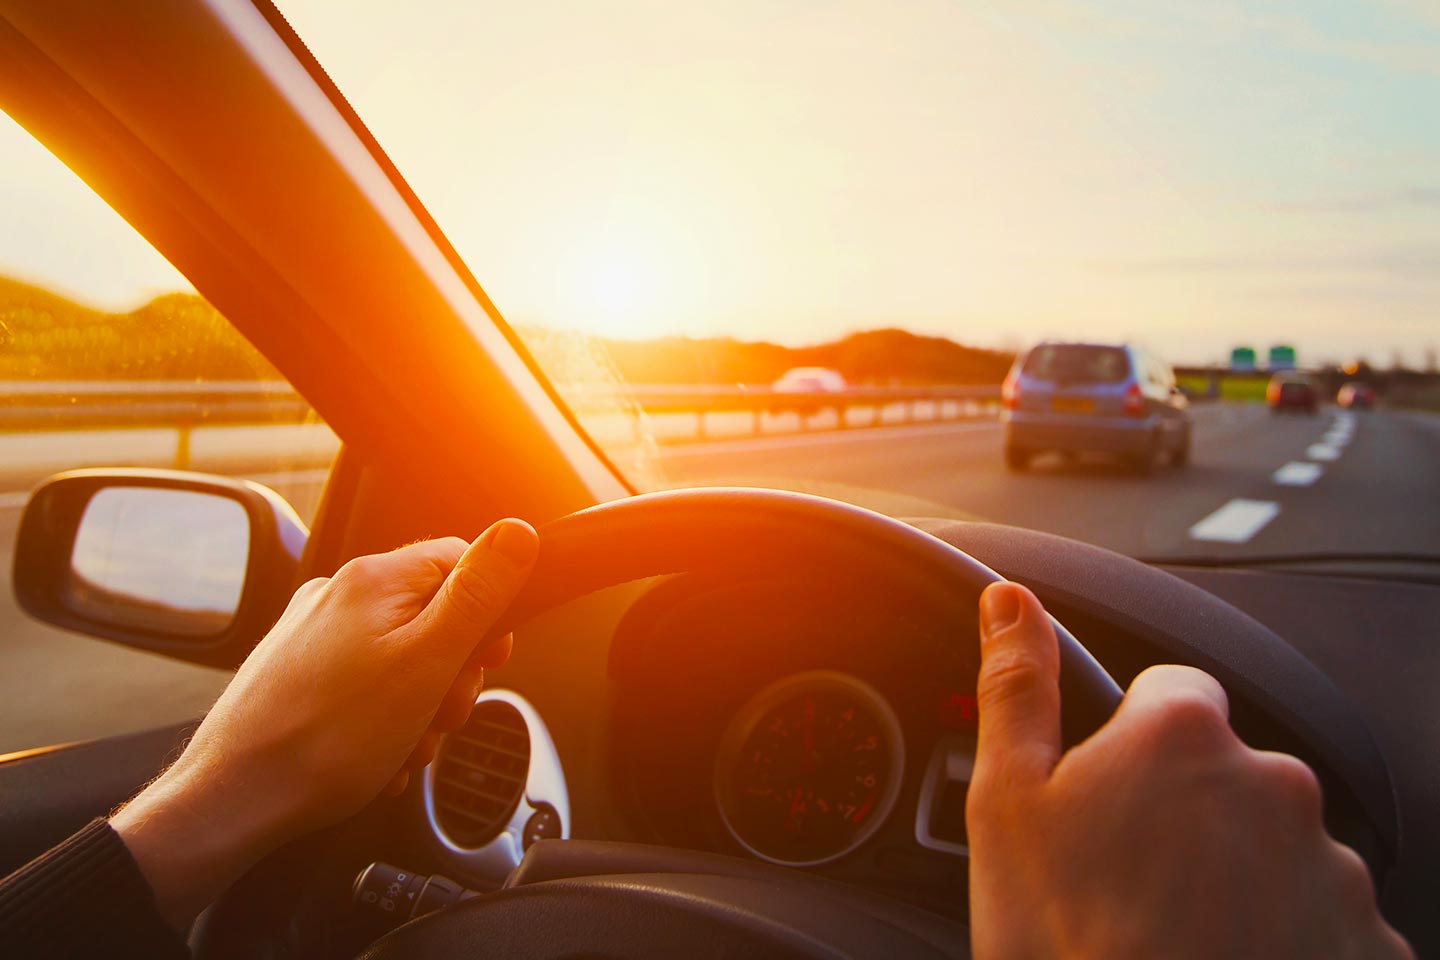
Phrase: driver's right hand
[1163,835]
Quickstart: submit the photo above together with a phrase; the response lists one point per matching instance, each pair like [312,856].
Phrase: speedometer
[809,768]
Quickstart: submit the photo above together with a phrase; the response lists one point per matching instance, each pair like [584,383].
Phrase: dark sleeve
[85,898]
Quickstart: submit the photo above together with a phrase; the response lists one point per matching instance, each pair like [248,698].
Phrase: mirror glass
[162,560]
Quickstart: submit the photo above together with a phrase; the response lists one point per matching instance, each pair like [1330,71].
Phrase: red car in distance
[1292,391]
[1356,396]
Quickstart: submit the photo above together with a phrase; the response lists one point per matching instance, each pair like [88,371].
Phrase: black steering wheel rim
[701,529]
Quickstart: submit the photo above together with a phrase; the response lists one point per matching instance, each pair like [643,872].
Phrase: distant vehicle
[1356,396]
[1292,391]
[1094,398]
[810,380]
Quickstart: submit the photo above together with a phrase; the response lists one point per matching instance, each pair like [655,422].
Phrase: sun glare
[615,287]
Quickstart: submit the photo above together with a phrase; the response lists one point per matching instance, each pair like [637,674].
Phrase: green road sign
[1282,357]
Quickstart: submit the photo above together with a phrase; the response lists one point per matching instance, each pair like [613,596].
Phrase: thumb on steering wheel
[1018,692]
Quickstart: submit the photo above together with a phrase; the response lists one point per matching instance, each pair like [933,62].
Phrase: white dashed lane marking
[1298,473]
[1236,522]
[1339,435]
[1240,519]
[1330,446]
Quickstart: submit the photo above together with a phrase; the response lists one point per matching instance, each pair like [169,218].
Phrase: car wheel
[1018,458]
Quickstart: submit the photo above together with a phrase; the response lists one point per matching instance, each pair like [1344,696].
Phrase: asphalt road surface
[1257,483]
[1368,476]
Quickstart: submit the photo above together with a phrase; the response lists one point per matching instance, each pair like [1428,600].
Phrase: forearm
[191,838]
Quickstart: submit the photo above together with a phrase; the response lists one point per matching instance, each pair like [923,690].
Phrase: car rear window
[1076,364]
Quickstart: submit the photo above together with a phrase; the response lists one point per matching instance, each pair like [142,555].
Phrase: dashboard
[801,723]
[824,725]
[827,727]
[820,726]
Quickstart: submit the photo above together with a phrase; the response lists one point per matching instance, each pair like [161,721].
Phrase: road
[1365,499]
[1257,484]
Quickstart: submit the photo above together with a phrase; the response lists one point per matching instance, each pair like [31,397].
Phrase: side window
[108,357]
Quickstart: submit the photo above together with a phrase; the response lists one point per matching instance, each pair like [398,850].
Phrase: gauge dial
[809,768]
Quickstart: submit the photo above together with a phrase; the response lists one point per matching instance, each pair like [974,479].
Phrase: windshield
[810,240]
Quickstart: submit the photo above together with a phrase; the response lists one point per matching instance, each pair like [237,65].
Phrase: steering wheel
[657,902]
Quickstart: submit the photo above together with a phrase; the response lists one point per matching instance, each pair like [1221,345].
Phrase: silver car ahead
[1094,398]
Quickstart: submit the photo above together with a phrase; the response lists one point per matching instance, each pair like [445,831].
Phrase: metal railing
[904,403]
[32,406]
[55,406]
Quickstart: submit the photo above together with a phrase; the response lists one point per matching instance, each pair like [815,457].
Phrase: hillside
[887,356]
[45,336]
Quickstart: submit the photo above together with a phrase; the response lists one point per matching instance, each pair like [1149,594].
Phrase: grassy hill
[45,336]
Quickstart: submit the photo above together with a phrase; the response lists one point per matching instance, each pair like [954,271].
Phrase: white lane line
[783,441]
[1323,451]
[1298,473]
[1236,522]
[1339,433]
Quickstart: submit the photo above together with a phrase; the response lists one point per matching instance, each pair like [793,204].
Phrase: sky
[1190,175]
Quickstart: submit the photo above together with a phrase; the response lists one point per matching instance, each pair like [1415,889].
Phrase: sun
[617,286]
[615,283]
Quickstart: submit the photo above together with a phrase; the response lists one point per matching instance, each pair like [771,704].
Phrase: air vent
[480,774]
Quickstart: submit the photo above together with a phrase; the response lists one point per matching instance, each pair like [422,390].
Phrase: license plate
[1072,405]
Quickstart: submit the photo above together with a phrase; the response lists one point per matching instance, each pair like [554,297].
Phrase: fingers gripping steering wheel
[697,903]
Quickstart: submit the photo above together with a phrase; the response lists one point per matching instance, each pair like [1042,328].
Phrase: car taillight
[1010,392]
[1134,401]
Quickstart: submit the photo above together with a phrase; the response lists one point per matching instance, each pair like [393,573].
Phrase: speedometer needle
[864,810]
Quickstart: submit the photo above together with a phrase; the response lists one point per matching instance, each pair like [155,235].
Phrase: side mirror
[193,566]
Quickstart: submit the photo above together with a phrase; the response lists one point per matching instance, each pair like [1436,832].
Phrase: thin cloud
[1233,23]
[1410,198]
[1409,265]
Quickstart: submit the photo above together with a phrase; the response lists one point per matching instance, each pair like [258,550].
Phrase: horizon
[1148,172]
[1426,365]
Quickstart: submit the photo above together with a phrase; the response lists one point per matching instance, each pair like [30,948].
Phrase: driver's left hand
[347,695]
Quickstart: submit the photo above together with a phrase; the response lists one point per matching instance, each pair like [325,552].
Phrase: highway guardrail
[183,405]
